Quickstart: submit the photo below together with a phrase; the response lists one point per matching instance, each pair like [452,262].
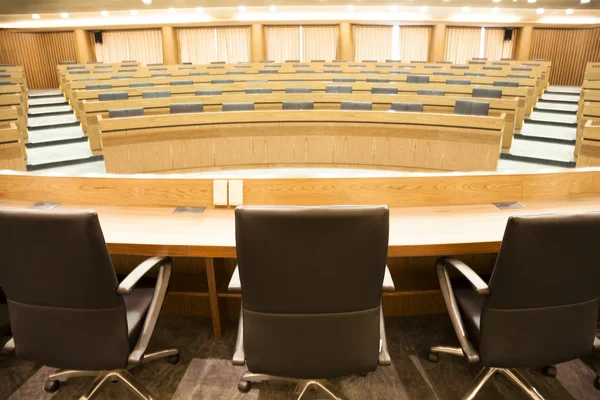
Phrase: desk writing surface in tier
[414,231]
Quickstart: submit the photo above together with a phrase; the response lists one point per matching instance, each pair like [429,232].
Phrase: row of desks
[13,118]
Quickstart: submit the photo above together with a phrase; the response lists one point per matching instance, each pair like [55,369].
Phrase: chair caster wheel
[244,386]
[364,374]
[433,357]
[174,359]
[597,382]
[51,386]
[550,371]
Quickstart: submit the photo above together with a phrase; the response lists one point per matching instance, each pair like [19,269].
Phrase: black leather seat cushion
[137,305]
[471,306]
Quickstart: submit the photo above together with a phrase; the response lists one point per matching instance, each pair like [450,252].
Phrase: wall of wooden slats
[569,50]
[39,53]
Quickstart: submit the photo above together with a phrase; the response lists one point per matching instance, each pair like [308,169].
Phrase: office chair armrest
[9,347]
[165,265]
[235,285]
[597,343]
[478,284]
[388,282]
[127,285]
[448,293]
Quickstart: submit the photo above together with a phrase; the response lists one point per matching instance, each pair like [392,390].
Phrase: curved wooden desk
[250,139]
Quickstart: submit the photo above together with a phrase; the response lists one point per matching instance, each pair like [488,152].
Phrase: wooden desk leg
[213,297]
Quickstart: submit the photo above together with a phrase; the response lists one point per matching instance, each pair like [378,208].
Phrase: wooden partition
[12,155]
[589,153]
[322,101]
[372,139]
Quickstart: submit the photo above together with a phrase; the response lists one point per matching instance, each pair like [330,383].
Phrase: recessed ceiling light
[64,15]
[147,2]
[539,11]
[424,9]
[199,9]
[171,10]
[495,10]
[569,11]
[273,8]
[350,7]
[514,1]
[133,12]
[466,9]
[585,1]
[531,1]
[104,13]
[242,8]
[496,1]
[35,16]
[394,8]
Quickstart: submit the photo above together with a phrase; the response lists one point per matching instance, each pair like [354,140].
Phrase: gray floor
[553,117]
[49,135]
[44,92]
[205,370]
[56,153]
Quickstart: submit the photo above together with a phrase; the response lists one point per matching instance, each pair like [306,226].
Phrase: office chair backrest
[544,292]
[311,282]
[62,290]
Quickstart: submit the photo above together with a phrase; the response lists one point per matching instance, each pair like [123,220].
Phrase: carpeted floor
[205,370]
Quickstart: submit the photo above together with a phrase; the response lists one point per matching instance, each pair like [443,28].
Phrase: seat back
[430,92]
[417,79]
[122,77]
[156,94]
[298,105]
[433,66]
[184,108]
[198,73]
[469,107]
[182,83]
[356,105]
[522,69]
[384,90]
[61,289]
[127,70]
[113,96]
[344,79]
[489,93]
[305,71]
[238,107]
[221,81]
[333,71]
[399,72]
[160,75]
[298,90]
[407,107]
[98,87]
[259,91]
[214,92]
[474,74]
[369,71]
[378,80]
[492,68]
[141,84]
[443,73]
[235,73]
[506,84]
[126,112]
[459,67]
[517,76]
[311,282]
[458,82]
[338,89]
[544,292]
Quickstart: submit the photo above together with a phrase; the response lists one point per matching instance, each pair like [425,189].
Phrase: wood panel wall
[569,50]
[39,53]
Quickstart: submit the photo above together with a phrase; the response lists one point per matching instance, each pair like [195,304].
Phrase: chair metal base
[303,387]
[119,375]
[487,373]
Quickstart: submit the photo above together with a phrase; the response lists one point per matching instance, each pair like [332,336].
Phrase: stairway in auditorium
[547,139]
[55,136]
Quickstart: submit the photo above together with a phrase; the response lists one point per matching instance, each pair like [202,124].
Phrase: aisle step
[54,134]
[50,110]
[38,93]
[560,98]
[59,155]
[56,121]
[47,101]
[561,108]
[552,154]
[569,90]
[547,133]
[551,118]
[56,142]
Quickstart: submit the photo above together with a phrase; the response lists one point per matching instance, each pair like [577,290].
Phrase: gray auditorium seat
[457,82]
[409,66]
[469,107]
[331,65]
[215,67]
[474,74]
[476,62]
[393,61]
[182,83]
[161,75]
[489,93]
[298,105]
[301,65]
[187,63]
[298,90]
[93,62]
[334,329]
[500,63]
[221,81]
[339,61]
[292,61]
[479,59]
[185,108]
[459,67]
[273,66]
[356,105]
[267,71]
[113,96]
[67,309]
[157,69]
[338,89]
[75,67]
[238,106]
[333,71]
[378,80]
[517,76]
[60,63]
[370,71]
[417,79]
[399,72]
[433,66]
[186,68]
[266,61]
[506,84]
[154,65]
[443,62]
[5,83]
[126,112]
[217,62]
[443,73]
[122,77]
[156,94]
[123,66]
[216,92]
[492,68]
[199,73]
[141,84]
[384,90]
[242,66]
[383,66]
[305,71]
[317,61]
[522,69]
[532,65]
[406,107]
[259,91]
[418,62]
[430,92]
[78,72]
[369,61]
[357,65]
[235,73]
[98,87]
[85,79]
[344,79]
[126,70]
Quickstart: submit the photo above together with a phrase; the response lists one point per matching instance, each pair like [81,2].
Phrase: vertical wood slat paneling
[39,53]
[569,50]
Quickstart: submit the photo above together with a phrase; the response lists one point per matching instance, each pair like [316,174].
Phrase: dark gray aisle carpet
[205,370]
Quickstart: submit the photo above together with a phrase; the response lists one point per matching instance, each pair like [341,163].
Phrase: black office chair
[311,280]
[540,307]
[67,310]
